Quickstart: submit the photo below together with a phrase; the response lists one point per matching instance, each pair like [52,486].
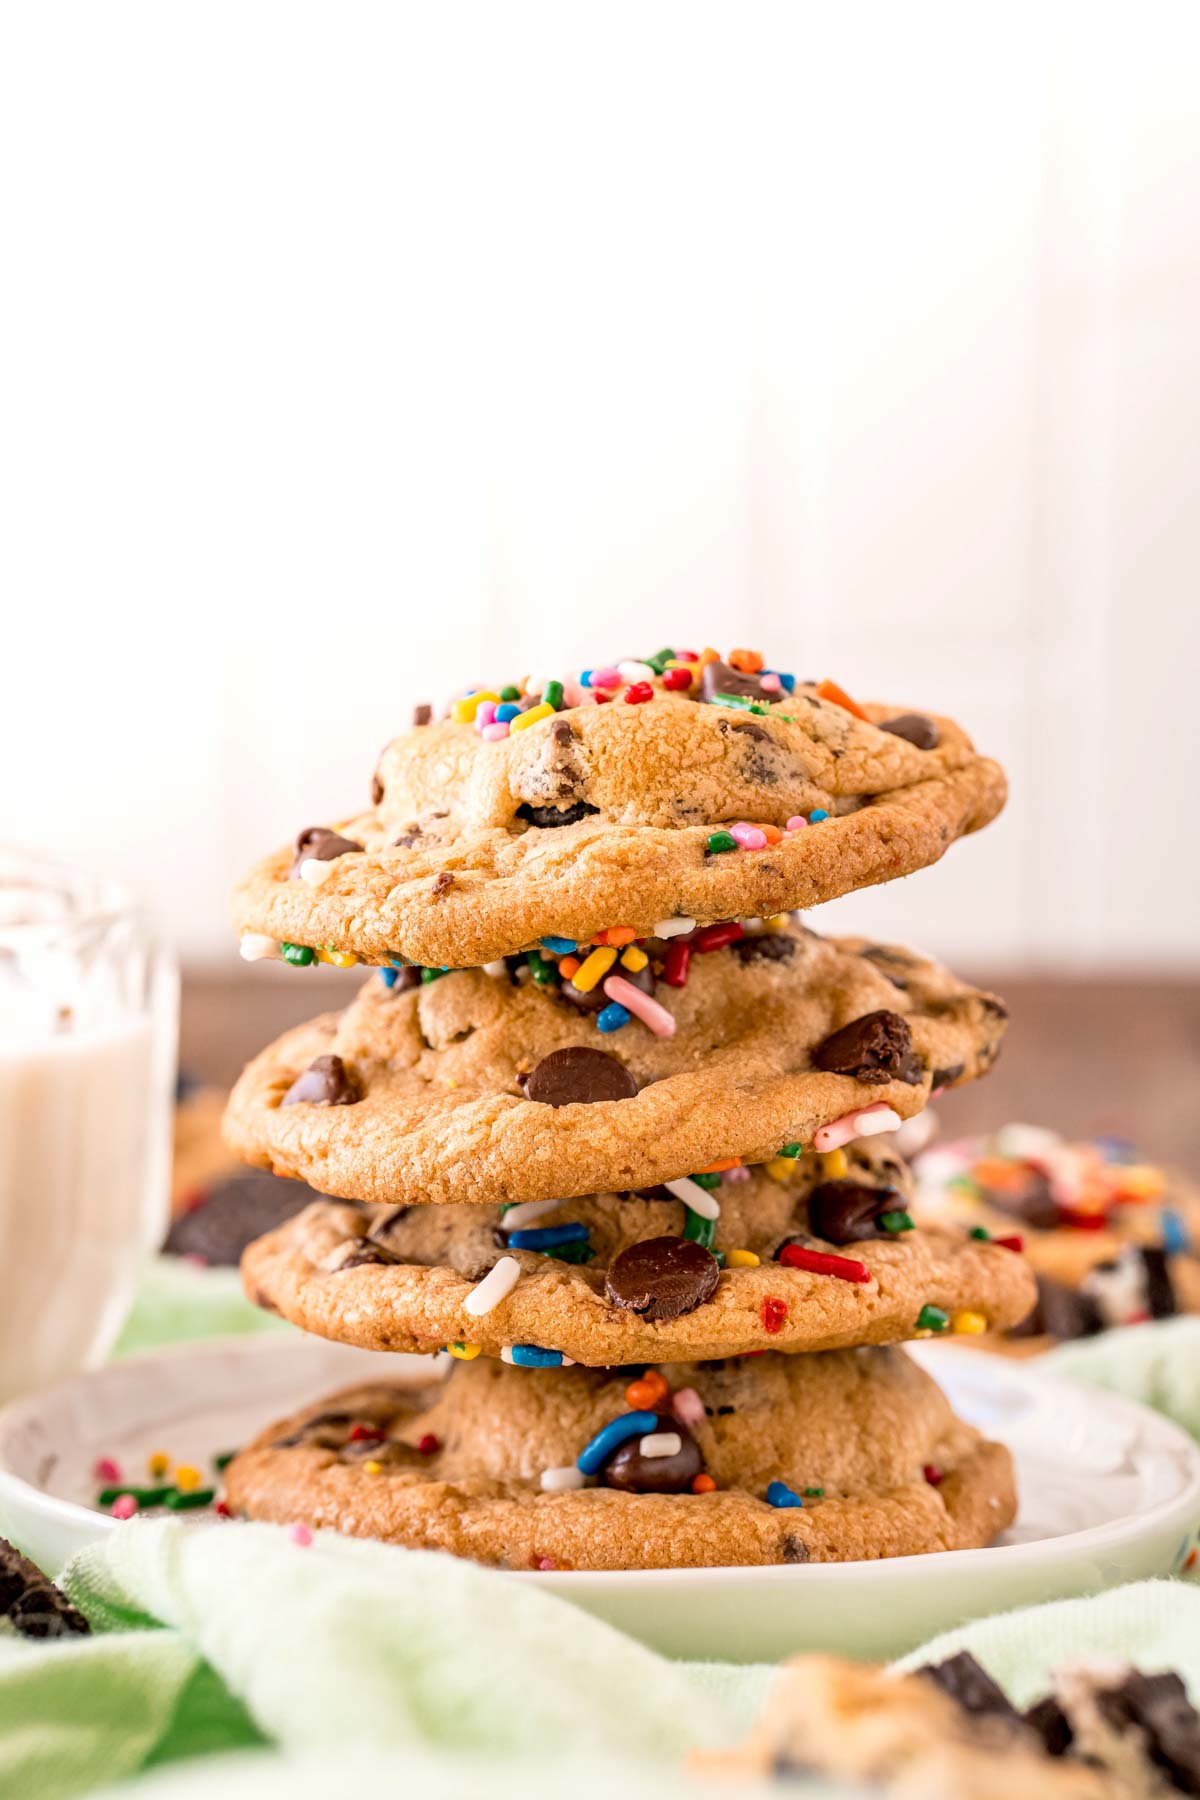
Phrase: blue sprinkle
[1116,1149]
[506,712]
[585,679]
[816,815]
[612,1018]
[1174,1232]
[779,1494]
[789,681]
[532,1356]
[560,946]
[389,977]
[610,1437]
[548,1238]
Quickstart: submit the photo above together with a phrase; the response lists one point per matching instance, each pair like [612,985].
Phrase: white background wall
[348,355]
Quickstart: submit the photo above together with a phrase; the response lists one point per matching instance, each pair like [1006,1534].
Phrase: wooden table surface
[1081,1056]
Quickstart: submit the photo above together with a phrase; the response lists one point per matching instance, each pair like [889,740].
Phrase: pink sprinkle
[546,1562]
[301,1535]
[687,1406]
[794,824]
[106,1470]
[748,836]
[654,1017]
[485,713]
[123,1507]
[495,731]
[740,1173]
[868,1121]
[574,695]
[770,684]
[606,678]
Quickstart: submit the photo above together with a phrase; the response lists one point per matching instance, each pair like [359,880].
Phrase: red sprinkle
[366,1434]
[428,1444]
[774,1312]
[717,937]
[222,1510]
[676,963]
[1014,1242]
[795,1256]
[677,678]
[639,693]
[1080,1219]
[933,1475]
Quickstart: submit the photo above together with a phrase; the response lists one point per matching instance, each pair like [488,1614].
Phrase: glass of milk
[88,1022]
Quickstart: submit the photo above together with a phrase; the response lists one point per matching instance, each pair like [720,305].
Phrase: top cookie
[691,790]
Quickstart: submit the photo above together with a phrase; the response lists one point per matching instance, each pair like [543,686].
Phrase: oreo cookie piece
[233,1213]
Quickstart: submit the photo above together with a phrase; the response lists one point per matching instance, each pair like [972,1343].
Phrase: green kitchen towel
[179,1301]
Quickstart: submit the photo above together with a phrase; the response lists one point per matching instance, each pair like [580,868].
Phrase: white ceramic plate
[1110,1492]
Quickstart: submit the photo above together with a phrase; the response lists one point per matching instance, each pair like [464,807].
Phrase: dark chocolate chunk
[235,1210]
[407,839]
[443,881]
[758,734]
[1160,1291]
[319,844]
[765,946]
[874,1049]
[577,1076]
[325,1082]
[662,1277]
[947,1077]
[719,678]
[1159,1707]
[1052,1725]
[842,1212]
[634,1473]
[376,789]
[595,1000]
[972,1687]
[422,714]
[915,729]
[793,1549]
[1060,1311]
[548,817]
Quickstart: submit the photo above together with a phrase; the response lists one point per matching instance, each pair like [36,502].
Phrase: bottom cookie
[843,1456]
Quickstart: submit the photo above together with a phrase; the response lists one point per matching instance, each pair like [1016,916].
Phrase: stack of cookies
[612,1127]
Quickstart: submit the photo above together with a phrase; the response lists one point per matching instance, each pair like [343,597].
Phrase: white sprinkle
[870,1124]
[517,1217]
[496,1286]
[561,1481]
[496,968]
[694,1197]
[668,928]
[661,1443]
[636,671]
[257,947]
[314,871]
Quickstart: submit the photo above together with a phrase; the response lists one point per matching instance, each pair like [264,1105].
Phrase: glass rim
[91,901]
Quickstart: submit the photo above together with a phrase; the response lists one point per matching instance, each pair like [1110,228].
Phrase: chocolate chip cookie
[840,1457]
[621,807]
[819,1256]
[510,1086]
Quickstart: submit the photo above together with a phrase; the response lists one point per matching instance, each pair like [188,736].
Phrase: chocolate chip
[874,1049]
[1160,1291]
[842,1212]
[423,714]
[376,789]
[561,732]
[325,1082]
[235,1210]
[406,980]
[765,946]
[16,1574]
[662,1277]
[595,999]
[793,1550]
[1052,1725]
[915,729]
[756,733]
[578,1077]
[633,1473]
[443,881]
[406,840]
[1060,1311]
[319,844]
[33,1605]
[1034,1205]
[972,1687]
[385,1222]
[947,1077]
[719,678]
[1159,1707]
[548,817]
[362,1255]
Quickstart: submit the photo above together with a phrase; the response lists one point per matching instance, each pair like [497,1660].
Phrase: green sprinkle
[720,841]
[700,1231]
[962,1184]
[896,1221]
[178,1502]
[144,1496]
[706,1181]
[659,660]
[932,1318]
[792,1150]
[814,1493]
[546,974]
[980,1235]
[222,1462]
[299,955]
[570,1253]
[428,975]
[552,694]
[509,694]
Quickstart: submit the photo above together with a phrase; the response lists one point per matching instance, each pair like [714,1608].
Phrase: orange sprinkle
[719,1168]
[1002,1177]
[567,965]
[703,1484]
[748,661]
[619,935]
[708,654]
[829,690]
[641,1396]
[772,833]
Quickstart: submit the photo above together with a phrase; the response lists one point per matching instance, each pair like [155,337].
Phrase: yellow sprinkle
[1142,1181]
[525,719]
[340,959]
[971,1322]
[158,1462]
[186,1477]
[834,1165]
[777,922]
[594,968]
[741,1259]
[635,959]
[463,711]
[372,1467]
[781,1168]
[464,1352]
